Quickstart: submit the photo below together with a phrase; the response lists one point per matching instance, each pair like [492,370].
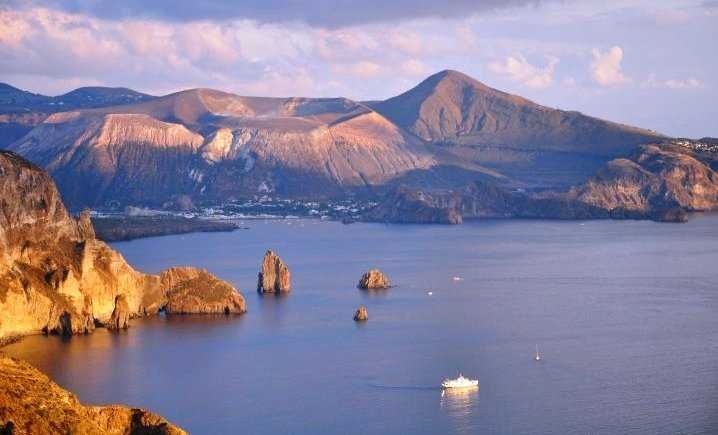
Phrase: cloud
[606,67]
[687,83]
[518,69]
[321,13]
[413,67]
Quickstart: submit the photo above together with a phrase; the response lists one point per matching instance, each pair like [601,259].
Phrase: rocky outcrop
[361,314]
[659,182]
[196,291]
[654,180]
[274,276]
[120,318]
[55,277]
[85,229]
[374,280]
[30,403]
[407,205]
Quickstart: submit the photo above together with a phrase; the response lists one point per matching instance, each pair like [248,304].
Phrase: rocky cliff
[652,179]
[660,182]
[30,403]
[55,277]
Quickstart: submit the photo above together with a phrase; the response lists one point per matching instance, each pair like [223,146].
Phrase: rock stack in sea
[361,314]
[374,280]
[120,318]
[274,276]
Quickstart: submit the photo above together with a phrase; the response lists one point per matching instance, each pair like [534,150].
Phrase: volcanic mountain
[212,145]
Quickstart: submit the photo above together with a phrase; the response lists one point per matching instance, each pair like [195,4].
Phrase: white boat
[460,382]
[537,357]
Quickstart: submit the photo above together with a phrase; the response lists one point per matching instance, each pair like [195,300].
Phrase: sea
[624,315]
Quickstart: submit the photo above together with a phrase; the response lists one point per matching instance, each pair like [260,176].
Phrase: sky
[646,63]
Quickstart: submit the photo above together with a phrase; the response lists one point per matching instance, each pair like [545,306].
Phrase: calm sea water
[625,314]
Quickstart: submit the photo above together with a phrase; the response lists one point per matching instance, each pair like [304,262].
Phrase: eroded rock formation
[120,318]
[374,279]
[361,314]
[275,276]
[30,403]
[55,277]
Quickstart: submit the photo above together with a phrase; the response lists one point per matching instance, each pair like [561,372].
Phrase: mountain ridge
[446,131]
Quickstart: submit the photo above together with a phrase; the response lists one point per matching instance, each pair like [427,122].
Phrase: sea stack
[374,280]
[120,318]
[361,314]
[274,276]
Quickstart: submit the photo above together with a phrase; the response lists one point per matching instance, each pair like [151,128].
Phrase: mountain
[20,110]
[452,107]
[14,100]
[508,133]
[211,146]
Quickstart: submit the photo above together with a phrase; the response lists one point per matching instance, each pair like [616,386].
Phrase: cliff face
[30,403]
[653,178]
[659,182]
[407,205]
[55,277]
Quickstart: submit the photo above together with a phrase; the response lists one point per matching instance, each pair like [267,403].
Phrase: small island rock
[196,291]
[275,276]
[361,314]
[374,279]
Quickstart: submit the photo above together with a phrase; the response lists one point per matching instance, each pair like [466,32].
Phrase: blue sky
[646,63]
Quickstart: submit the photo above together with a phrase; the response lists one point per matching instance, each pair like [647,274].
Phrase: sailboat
[537,357]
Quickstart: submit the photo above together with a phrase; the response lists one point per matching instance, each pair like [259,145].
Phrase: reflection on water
[460,404]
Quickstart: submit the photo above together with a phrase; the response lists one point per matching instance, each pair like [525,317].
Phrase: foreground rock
[30,403]
[55,277]
[361,314]
[275,276]
[374,280]
[196,291]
